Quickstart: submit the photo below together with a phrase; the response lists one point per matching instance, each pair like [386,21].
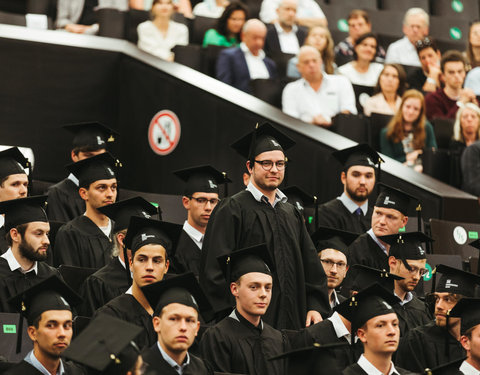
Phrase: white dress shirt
[72,178]
[31,359]
[260,197]
[288,40]
[351,206]
[256,65]
[172,363]
[14,265]
[305,9]
[194,234]
[371,369]
[402,52]
[208,8]
[467,369]
[377,241]
[369,78]
[339,327]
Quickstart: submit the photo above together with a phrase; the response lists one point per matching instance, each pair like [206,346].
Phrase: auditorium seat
[465,9]
[404,5]
[210,59]
[281,61]
[191,56]
[361,94]
[453,237]
[448,28]
[377,122]
[253,7]
[443,128]
[199,26]
[111,23]
[354,4]
[353,127]
[387,22]
[436,164]
[13,19]
[268,90]
[133,19]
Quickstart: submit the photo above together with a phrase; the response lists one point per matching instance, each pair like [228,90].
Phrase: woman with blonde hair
[466,129]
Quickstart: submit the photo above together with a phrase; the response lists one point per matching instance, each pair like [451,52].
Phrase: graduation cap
[93,135]
[332,238]
[24,210]
[407,246]
[246,260]
[361,154]
[390,197]
[183,289]
[365,276]
[468,309]
[106,345]
[299,197]
[99,167]
[121,212]
[12,161]
[317,359]
[203,179]
[447,368]
[455,281]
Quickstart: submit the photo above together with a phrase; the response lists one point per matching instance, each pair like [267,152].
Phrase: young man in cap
[407,259]
[48,309]
[350,211]
[113,279]
[151,242]
[22,265]
[260,214]
[178,303]
[200,197]
[241,343]
[86,241]
[436,343]
[89,139]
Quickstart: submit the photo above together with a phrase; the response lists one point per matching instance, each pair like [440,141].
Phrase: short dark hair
[22,228]
[77,150]
[2,180]
[452,56]
[361,38]
[402,78]
[427,42]
[222,21]
[359,13]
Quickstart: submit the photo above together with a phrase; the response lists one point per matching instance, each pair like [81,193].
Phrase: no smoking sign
[164,132]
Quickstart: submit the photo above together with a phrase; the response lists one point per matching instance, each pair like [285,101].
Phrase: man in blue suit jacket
[236,66]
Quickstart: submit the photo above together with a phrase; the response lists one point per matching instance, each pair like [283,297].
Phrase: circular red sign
[164,132]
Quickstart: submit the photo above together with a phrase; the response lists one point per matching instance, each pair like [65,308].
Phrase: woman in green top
[229,27]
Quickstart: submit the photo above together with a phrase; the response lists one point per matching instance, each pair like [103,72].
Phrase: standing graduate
[151,242]
[113,280]
[89,139]
[87,240]
[200,197]
[350,211]
[260,214]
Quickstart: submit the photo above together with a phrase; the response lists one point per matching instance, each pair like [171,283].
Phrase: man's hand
[313,317]
[75,28]
[321,121]
[468,96]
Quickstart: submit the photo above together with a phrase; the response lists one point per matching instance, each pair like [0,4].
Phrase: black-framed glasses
[203,200]
[421,271]
[330,263]
[268,164]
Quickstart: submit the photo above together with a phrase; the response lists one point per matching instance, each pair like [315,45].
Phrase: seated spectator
[183,7]
[210,8]
[159,36]
[309,13]
[427,77]
[472,80]
[236,66]
[443,102]
[473,47]
[362,70]
[358,24]
[320,38]
[389,89]
[408,133]
[283,35]
[415,27]
[229,27]
[317,97]
[466,129]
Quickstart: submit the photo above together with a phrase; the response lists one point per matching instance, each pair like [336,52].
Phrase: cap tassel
[316,203]
[225,184]
[159,212]
[127,265]
[251,157]
[111,138]
[434,278]
[30,177]
[20,331]
[419,217]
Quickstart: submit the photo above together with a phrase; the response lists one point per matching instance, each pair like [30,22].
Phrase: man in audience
[237,66]
[309,13]
[427,77]
[284,35]
[443,102]
[317,97]
[415,27]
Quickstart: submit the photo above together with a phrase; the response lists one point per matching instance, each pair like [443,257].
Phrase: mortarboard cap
[12,161]
[262,139]
[299,197]
[468,309]
[407,246]
[332,238]
[121,212]
[240,262]
[390,197]
[203,179]
[364,276]
[24,210]
[450,368]
[105,342]
[456,281]
[99,167]
[93,135]
[361,154]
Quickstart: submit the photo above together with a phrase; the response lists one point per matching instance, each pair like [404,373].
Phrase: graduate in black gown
[23,264]
[200,197]
[179,302]
[87,240]
[112,280]
[150,242]
[351,211]
[436,343]
[90,139]
[260,214]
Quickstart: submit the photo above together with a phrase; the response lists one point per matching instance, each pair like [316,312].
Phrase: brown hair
[452,56]
[359,13]
[21,229]
[470,56]
[402,78]
[328,55]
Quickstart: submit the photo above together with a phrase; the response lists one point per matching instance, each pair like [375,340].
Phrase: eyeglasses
[268,164]
[329,264]
[202,200]
[415,270]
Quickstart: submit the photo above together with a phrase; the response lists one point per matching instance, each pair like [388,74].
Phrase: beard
[27,251]
[357,197]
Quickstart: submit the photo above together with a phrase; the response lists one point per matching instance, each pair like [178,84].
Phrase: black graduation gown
[355,369]
[155,361]
[127,308]
[412,314]
[103,286]
[299,280]
[334,214]
[427,346]
[64,202]
[3,241]
[81,243]
[236,346]
[187,255]
[25,368]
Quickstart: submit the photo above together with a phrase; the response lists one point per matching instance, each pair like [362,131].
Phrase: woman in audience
[181,6]
[161,34]
[389,89]
[363,70]
[229,26]
[466,129]
[408,133]
[473,47]
[210,8]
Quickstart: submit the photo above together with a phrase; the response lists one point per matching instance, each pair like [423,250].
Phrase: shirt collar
[72,178]
[246,51]
[260,197]
[339,327]
[192,232]
[14,265]
[31,359]
[172,363]
[377,241]
[407,299]
[351,205]
[371,369]
[2,220]
[335,299]
[280,30]
[239,318]
[467,369]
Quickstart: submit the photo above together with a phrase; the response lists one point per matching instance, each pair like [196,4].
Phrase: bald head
[310,63]
[253,35]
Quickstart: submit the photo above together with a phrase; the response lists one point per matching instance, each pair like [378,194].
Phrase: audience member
[237,66]
[363,70]
[415,27]
[161,34]
[427,77]
[229,26]
[472,80]
[473,47]
[309,13]
[389,91]
[466,129]
[210,8]
[408,132]
[283,34]
[317,97]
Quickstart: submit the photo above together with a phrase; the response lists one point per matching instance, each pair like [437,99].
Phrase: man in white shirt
[415,27]
[317,97]
[309,13]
